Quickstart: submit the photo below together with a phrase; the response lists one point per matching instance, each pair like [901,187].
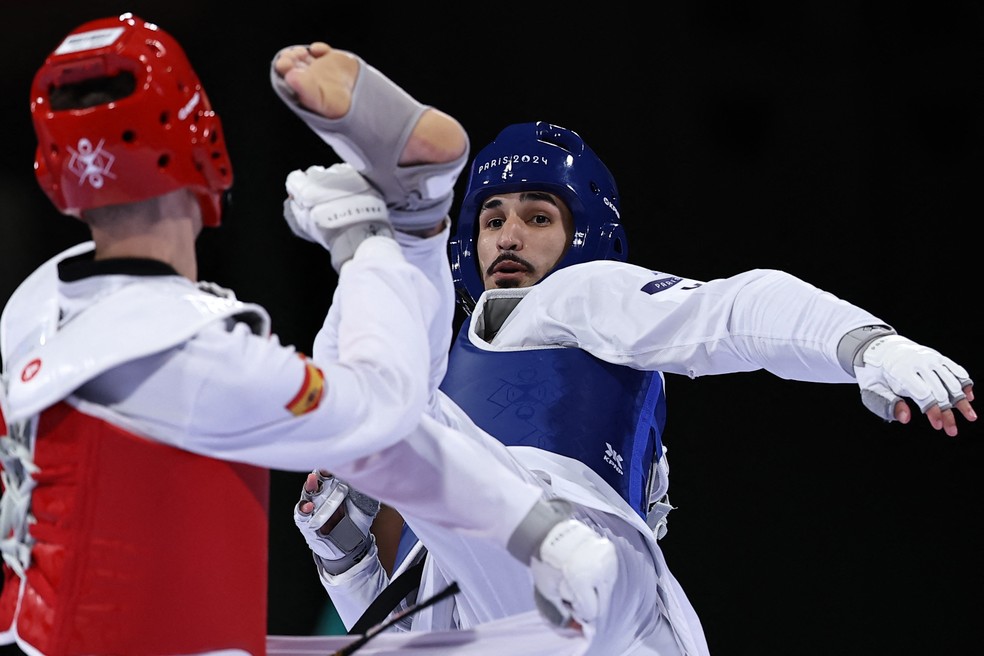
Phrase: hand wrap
[350,540]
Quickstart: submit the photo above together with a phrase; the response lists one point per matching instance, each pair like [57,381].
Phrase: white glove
[350,540]
[335,207]
[894,367]
[574,574]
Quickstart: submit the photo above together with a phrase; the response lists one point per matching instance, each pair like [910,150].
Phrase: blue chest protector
[566,401]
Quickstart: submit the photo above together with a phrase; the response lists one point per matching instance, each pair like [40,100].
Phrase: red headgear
[156,135]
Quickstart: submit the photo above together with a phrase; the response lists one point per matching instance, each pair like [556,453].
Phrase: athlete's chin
[510,280]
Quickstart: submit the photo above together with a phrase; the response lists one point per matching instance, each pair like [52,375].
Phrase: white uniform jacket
[632,316]
[127,377]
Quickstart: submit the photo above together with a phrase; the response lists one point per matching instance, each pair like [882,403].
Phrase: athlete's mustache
[509,257]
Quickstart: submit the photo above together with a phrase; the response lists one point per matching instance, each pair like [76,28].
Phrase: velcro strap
[346,535]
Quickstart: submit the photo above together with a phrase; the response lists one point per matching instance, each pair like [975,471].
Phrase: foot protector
[371,137]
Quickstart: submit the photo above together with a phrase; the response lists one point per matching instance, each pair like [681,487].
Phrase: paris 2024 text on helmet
[121,116]
[540,157]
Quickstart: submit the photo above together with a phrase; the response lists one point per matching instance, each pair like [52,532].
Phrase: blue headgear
[539,157]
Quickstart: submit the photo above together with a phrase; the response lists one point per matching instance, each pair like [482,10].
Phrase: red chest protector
[141,548]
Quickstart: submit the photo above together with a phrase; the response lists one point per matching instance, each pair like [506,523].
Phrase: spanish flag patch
[312,390]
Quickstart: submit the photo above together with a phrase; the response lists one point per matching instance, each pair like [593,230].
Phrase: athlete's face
[521,237]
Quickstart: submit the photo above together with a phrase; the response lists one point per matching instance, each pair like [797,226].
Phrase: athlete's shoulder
[32,311]
[606,275]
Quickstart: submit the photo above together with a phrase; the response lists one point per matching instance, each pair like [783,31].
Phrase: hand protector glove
[574,574]
[893,367]
[350,540]
[335,207]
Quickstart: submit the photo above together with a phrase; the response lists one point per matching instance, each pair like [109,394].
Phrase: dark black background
[840,144]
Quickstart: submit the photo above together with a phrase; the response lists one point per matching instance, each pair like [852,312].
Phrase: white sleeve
[449,473]
[430,255]
[353,590]
[237,396]
[759,319]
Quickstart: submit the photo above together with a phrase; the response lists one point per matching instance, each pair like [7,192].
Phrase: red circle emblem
[31,369]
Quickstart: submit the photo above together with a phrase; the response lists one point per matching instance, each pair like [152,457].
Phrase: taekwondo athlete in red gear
[122,368]
[558,320]
[87,570]
[123,372]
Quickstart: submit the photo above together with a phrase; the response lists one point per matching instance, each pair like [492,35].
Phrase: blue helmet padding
[539,157]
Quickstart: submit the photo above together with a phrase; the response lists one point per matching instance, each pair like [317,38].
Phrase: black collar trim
[84,266]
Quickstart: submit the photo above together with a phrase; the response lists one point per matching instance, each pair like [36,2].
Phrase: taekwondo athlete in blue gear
[612,418]
[562,400]
[576,563]
[539,263]
[565,400]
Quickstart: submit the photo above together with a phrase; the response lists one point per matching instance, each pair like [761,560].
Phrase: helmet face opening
[121,117]
[90,93]
[539,157]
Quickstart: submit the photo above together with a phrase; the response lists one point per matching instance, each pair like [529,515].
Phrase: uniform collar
[85,266]
[494,307]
